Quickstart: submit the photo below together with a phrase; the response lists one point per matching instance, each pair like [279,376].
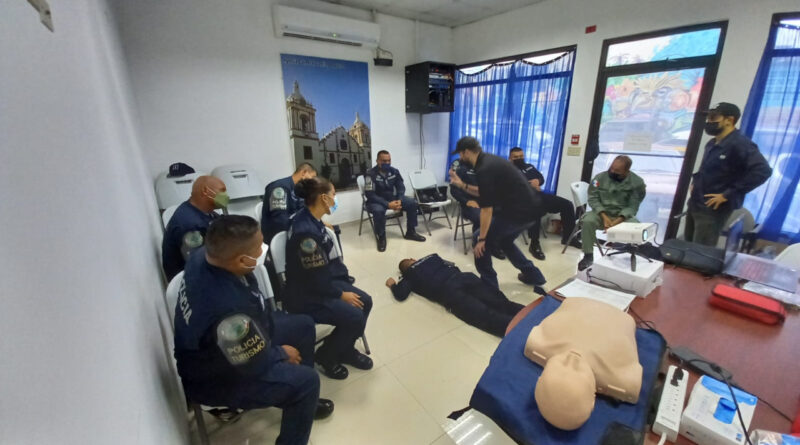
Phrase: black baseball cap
[725,109]
[179,169]
[466,143]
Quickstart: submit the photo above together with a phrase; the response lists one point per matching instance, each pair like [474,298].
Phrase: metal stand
[633,250]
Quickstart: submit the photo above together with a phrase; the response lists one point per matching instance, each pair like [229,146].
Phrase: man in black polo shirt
[508,204]
[732,167]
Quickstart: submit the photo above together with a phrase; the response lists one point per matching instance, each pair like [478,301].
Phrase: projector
[631,233]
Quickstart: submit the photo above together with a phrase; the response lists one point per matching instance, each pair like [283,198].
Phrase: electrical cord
[663,439]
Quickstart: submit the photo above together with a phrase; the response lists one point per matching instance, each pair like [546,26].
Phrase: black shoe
[226,415]
[536,250]
[414,236]
[587,261]
[530,280]
[498,253]
[324,409]
[576,242]
[539,290]
[382,243]
[351,279]
[359,361]
[334,370]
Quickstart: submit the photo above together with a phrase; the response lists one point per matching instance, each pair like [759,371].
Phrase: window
[304,122]
[332,158]
[343,145]
[308,154]
[649,88]
[518,101]
[772,119]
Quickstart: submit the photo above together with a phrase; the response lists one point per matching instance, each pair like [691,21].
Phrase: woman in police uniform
[317,281]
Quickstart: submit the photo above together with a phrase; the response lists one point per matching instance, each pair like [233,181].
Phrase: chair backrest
[173,288]
[790,256]
[336,244]
[257,210]
[748,222]
[240,180]
[173,191]
[167,215]
[580,193]
[277,251]
[265,286]
[421,179]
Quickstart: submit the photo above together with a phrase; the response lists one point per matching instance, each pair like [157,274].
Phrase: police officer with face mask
[231,349]
[732,166]
[188,225]
[614,196]
[317,281]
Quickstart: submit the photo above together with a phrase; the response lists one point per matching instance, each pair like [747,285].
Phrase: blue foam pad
[505,391]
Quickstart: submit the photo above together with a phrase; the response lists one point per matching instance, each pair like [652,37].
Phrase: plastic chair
[461,223]
[167,215]
[790,256]
[173,191]
[580,197]
[750,230]
[391,215]
[257,211]
[421,180]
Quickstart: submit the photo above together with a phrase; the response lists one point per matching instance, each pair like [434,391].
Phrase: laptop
[757,269]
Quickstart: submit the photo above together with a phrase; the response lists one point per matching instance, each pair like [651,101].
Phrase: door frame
[711,65]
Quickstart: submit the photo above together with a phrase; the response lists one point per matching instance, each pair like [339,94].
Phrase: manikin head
[565,392]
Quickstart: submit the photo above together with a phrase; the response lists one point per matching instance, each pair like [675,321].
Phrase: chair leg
[455,232]
[201,424]
[366,345]
[524,238]
[447,217]
[572,236]
[361,223]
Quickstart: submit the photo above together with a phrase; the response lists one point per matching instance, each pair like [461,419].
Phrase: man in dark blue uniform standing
[281,202]
[732,166]
[551,203]
[231,349]
[384,189]
[464,294]
[508,204]
[188,225]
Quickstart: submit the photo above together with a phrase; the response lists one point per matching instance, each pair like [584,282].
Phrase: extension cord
[670,408]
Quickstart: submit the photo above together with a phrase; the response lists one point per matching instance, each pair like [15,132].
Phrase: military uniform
[380,188]
[464,294]
[280,203]
[551,203]
[228,348]
[315,280]
[614,198]
[188,221]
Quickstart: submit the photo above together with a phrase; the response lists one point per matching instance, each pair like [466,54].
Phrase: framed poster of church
[327,104]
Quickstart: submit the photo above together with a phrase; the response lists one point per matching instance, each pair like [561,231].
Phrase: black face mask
[713,128]
[519,162]
[616,176]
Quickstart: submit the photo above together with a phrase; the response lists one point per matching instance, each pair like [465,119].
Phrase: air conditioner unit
[294,22]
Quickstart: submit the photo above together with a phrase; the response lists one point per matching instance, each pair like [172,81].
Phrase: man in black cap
[732,166]
[508,205]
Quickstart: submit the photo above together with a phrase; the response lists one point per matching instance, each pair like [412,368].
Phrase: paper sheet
[579,288]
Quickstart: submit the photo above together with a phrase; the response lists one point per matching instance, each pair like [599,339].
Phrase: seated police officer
[550,203]
[188,225]
[614,196]
[317,281]
[280,201]
[231,349]
[464,294]
[384,189]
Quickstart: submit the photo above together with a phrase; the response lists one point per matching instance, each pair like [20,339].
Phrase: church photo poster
[327,104]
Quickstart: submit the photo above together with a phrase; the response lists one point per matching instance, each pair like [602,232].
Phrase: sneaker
[359,361]
[382,243]
[536,250]
[588,260]
[414,236]
[324,409]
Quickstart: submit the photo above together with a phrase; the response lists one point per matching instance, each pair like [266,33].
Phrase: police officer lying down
[317,281]
[464,294]
[231,349]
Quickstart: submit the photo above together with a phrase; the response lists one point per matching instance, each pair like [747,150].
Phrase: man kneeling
[464,294]
[231,348]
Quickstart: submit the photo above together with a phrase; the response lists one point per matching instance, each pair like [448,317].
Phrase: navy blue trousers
[378,212]
[502,233]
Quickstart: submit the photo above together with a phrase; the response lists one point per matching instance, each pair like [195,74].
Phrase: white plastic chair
[790,256]
[421,180]
[173,191]
[580,197]
[167,215]
[240,180]
[257,211]
[391,215]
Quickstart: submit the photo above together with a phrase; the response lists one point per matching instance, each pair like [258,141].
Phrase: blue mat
[505,391]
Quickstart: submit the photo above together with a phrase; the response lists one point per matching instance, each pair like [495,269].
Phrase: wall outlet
[574,150]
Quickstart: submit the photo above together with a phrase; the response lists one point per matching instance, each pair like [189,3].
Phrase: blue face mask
[335,204]
[386,166]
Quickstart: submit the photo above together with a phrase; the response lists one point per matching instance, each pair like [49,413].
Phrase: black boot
[536,250]
[382,243]
[588,260]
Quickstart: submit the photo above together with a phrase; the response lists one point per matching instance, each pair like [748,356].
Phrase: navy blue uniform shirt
[466,174]
[187,218]
[280,203]
[531,173]
[383,186]
[427,276]
[207,298]
[502,186]
[312,262]
[733,167]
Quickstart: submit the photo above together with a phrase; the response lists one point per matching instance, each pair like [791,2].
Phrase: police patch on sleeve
[277,200]
[311,255]
[308,245]
[368,184]
[240,339]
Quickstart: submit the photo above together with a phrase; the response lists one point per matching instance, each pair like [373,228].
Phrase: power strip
[670,408]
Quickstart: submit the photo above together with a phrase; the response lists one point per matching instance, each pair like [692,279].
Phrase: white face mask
[260,260]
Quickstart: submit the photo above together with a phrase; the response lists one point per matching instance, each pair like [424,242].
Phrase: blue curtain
[520,104]
[772,119]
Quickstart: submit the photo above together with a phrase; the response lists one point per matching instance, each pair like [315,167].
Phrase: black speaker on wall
[430,87]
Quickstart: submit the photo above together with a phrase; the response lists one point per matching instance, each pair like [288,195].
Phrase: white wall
[84,325]
[207,81]
[555,23]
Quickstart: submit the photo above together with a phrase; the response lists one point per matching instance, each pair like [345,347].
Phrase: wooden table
[764,359]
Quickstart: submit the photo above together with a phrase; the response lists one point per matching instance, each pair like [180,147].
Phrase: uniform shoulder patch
[279,193]
[240,339]
[308,245]
[277,199]
[596,183]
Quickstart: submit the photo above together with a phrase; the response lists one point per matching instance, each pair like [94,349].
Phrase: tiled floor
[427,362]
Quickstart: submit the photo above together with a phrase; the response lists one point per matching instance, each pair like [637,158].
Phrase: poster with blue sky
[327,105]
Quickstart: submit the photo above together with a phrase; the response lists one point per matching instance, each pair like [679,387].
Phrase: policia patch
[277,199]
[240,339]
[311,255]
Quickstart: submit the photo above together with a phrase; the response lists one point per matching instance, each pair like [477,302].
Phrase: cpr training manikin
[585,346]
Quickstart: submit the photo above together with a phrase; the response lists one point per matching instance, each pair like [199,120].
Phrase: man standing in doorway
[732,166]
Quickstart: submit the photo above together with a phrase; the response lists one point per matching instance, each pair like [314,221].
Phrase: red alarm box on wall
[747,304]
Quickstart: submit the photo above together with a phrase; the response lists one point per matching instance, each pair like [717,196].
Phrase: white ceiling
[449,13]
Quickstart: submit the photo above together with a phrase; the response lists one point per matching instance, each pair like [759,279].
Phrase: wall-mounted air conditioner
[294,22]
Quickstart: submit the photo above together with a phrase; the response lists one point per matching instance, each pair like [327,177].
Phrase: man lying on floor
[463,293]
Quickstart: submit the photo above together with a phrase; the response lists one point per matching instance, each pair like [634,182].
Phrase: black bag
[432,194]
[704,259]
